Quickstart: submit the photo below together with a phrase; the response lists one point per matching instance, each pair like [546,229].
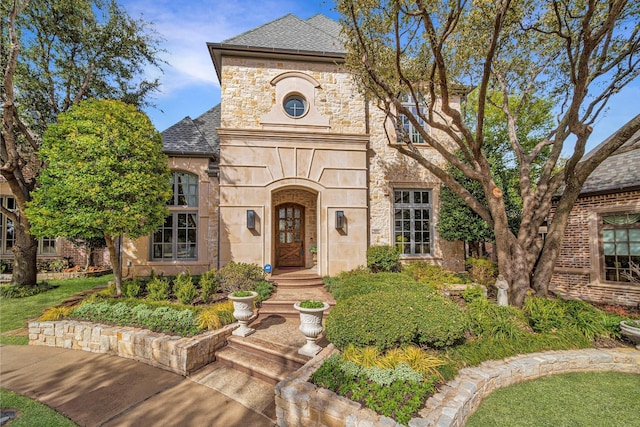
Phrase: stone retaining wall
[298,402]
[173,353]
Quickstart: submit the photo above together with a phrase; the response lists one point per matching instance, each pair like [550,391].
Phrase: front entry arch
[290,235]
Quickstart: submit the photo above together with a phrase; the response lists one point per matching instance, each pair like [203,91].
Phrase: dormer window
[295,105]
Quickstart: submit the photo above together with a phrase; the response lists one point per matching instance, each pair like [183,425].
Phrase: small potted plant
[314,253]
[311,312]
[631,330]
[243,302]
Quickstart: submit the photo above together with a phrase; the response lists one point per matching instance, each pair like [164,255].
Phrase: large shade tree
[53,54]
[457,220]
[577,53]
[106,176]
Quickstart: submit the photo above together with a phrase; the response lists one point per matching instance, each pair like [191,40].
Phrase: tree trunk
[114,255]
[25,252]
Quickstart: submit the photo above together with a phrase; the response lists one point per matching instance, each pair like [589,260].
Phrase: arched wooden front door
[290,235]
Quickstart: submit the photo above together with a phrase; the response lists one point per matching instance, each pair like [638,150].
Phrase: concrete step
[285,308]
[282,354]
[264,369]
[252,392]
[297,281]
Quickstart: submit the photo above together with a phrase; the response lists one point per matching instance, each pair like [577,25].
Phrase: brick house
[603,234]
[293,158]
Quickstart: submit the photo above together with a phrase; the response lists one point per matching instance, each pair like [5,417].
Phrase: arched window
[177,238]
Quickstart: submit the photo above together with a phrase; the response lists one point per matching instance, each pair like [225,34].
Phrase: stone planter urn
[243,311]
[631,330]
[311,327]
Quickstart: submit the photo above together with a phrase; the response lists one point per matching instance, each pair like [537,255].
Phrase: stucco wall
[138,252]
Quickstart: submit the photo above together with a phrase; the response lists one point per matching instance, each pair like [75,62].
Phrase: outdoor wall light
[251,219]
[340,220]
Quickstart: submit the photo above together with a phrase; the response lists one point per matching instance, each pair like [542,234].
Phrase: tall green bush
[392,319]
[240,276]
[209,285]
[158,289]
[184,289]
[383,258]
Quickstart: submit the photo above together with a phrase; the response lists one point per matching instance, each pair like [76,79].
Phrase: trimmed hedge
[383,258]
[361,282]
[392,319]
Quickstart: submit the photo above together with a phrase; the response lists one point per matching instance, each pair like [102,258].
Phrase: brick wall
[578,268]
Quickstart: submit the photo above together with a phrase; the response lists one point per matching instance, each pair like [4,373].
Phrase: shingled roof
[194,137]
[317,34]
[618,172]
[317,39]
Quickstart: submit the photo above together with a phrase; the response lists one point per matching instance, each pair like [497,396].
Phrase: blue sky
[189,83]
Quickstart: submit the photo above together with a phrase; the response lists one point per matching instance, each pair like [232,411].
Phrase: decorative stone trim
[298,402]
[172,353]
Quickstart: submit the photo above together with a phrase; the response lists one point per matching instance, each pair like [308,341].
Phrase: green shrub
[544,314]
[431,274]
[164,319]
[488,319]
[264,290]
[132,288]
[472,293]
[311,304]
[399,396]
[383,258]
[209,285]
[17,291]
[240,276]
[392,319]
[482,271]
[360,282]
[158,289]
[184,289]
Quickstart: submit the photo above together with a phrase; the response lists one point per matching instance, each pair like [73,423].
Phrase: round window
[295,105]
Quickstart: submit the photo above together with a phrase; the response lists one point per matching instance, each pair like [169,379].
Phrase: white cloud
[187,26]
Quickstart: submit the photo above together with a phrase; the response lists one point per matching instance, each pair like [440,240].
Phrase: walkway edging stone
[298,402]
[173,353]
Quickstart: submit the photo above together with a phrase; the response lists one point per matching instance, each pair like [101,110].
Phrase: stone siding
[300,403]
[389,170]
[247,93]
[172,353]
[578,271]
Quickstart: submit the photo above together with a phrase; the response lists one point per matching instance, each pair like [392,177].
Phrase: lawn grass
[578,399]
[15,312]
[31,412]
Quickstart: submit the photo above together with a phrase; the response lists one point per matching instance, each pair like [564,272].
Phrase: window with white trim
[412,225]
[177,238]
[620,246]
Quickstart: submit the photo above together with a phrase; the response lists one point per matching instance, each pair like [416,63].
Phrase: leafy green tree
[106,176]
[577,54]
[53,54]
[457,220]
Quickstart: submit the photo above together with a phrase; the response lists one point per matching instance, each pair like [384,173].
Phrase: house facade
[293,169]
[602,238]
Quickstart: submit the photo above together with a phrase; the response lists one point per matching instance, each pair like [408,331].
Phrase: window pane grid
[412,222]
[620,246]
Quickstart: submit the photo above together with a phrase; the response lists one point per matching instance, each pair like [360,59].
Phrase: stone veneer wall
[172,353]
[247,93]
[578,270]
[298,402]
[389,170]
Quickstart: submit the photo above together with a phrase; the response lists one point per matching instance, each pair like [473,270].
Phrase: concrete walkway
[103,390]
